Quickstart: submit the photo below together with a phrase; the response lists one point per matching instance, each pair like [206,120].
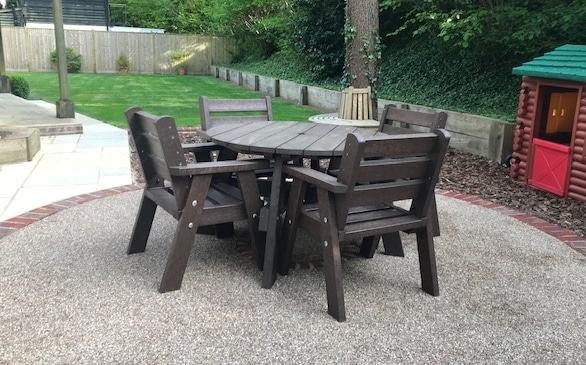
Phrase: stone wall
[488,137]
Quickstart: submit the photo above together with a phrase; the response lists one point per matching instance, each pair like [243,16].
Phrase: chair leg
[427,264]
[391,241]
[224,230]
[272,244]
[334,284]
[178,257]
[185,235]
[252,203]
[289,231]
[433,217]
[332,256]
[393,244]
[142,226]
[369,246]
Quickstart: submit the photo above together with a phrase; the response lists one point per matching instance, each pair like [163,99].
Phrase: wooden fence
[28,49]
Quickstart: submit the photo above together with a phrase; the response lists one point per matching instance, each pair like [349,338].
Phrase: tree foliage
[176,16]
[494,28]
[313,29]
[259,26]
[321,52]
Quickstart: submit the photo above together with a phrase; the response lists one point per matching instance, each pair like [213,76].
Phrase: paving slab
[18,112]
[66,164]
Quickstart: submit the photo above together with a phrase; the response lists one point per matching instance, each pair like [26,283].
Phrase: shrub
[179,59]
[321,52]
[123,61]
[19,86]
[74,60]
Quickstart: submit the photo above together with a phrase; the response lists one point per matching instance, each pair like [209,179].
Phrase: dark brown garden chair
[360,200]
[395,120]
[195,193]
[216,112]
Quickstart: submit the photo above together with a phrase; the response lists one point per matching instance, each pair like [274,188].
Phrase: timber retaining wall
[488,137]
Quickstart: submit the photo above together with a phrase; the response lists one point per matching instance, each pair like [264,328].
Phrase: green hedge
[19,86]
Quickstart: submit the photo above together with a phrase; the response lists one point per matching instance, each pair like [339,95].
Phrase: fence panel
[28,49]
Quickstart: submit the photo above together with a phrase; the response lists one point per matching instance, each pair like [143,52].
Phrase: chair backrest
[158,147]
[393,119]
[214,112]
[386,169]
[355,104]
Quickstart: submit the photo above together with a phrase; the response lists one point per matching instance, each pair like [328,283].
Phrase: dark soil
[466,173]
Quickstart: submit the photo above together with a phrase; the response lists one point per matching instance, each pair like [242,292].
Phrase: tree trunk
[362,43]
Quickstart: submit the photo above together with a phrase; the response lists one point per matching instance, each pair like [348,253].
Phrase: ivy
[317,36]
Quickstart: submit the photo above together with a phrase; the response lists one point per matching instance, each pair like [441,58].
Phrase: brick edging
[568,237]
[13,224]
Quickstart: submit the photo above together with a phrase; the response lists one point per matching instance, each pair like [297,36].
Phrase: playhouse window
[558,114]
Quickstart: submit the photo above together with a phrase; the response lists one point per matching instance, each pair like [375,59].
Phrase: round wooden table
[281,141]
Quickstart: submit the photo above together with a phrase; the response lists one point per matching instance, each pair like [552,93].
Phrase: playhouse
[549,150]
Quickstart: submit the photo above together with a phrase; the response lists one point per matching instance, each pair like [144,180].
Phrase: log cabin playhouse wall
[549,148]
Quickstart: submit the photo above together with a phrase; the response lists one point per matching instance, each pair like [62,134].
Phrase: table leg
[269,273]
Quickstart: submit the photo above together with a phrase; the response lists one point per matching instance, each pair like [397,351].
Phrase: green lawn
[106,96]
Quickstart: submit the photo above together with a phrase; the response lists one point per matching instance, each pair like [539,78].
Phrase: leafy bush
[321,52]
[123,61]
[74,60]
[19,86]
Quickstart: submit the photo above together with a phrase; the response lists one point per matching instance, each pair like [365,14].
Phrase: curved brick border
[568,237]
[13,224]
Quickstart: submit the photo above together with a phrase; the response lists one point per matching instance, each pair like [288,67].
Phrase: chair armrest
[201,147]
[219,167]
[317,178]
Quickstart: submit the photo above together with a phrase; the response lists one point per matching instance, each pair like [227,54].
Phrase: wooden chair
[359,202]
[196,194]
[215,112]
[395,120]
[355,104]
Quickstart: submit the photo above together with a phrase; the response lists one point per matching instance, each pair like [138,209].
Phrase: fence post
[94,52]
[303,97]
[277,88]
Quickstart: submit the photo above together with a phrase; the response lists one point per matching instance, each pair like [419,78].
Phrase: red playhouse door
[550,166]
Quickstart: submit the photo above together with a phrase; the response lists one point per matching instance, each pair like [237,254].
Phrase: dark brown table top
[299,139]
